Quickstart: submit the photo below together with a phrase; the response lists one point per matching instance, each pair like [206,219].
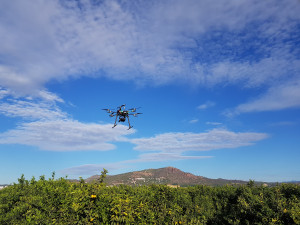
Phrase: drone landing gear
[115,124]
[122,120]
[129,123]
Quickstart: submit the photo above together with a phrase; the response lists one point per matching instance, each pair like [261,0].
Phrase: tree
[102,176]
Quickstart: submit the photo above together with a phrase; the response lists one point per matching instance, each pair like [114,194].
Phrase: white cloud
[154,42]
[148,42]
[206,105]
[92,169]
[66,135]
[213,123]
[194,121]
[285,95]
[174,146]
[182,142]
[49,97]
[267,71]
[32,110]
[164,157]
[15,81]
[3,93]
[49,128]
[284,123]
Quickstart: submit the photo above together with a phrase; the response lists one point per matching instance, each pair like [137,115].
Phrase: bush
[63,202]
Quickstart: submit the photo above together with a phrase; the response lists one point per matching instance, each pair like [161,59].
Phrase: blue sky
[218,83]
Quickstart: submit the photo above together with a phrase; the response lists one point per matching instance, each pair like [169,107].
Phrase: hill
[166,175]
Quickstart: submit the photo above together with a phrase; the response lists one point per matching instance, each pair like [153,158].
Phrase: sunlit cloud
[66,135]
[153,43]
[283,96]
[170,147]
[32,110]
[183,142]
[205,44]
[57,40]
[45,126]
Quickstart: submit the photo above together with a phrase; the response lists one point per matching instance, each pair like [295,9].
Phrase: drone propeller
[134,109]
[135,114]
[108,110]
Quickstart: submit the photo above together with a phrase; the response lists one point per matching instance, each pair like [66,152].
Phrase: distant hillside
[167,175]
[293,182]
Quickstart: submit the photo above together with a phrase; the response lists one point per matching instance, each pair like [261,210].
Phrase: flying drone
[122,114]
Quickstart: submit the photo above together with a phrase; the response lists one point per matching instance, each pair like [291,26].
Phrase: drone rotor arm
[135,114]
[134,109]
[108,111]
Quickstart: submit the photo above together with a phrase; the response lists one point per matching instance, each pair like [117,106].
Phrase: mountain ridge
[166,175]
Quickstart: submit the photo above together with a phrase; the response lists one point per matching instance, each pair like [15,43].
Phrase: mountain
[167,175]
[293,182]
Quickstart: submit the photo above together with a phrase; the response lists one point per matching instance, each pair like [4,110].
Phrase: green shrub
[63,202]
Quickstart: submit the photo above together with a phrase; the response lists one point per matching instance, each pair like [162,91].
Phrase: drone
[122,114]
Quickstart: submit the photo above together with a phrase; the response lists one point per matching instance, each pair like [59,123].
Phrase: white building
[140,179]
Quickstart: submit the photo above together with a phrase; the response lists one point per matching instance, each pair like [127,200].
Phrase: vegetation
[63,202]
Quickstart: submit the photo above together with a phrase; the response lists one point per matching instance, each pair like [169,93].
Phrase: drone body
[122,114]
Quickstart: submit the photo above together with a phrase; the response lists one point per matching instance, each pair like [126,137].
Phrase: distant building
[140,179]
[160,179]
[173,186]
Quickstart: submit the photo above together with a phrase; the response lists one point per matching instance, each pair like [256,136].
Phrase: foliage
[63,202]
[102,176]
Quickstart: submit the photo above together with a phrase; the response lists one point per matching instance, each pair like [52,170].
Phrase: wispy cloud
[284,123]
[214,123]
[182,142]
[164,157]
[92,169]
[174,146]
[155,42]
[268,71]
[194,121]
[3,93]
[206,105]
[46,126]
[32,110]
[66,135]
[283,96]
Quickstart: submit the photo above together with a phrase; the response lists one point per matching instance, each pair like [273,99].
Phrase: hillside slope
[166,175]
